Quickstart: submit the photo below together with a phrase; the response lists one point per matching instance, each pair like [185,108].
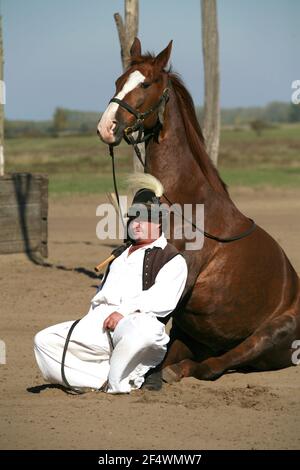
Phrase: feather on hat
[146,200]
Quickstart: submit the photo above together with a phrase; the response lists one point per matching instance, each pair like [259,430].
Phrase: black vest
[154,259]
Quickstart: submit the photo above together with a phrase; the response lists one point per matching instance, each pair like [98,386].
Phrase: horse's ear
[163,57]
[136,48]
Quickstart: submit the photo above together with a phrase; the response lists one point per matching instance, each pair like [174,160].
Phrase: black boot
[153,381]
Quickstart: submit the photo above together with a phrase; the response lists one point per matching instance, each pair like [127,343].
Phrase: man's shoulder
[165,253]
[171,249]
[173,252]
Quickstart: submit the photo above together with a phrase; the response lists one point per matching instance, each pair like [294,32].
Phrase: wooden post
[43,248]
[127,31]
[2,99]
[24,213]
[210,45]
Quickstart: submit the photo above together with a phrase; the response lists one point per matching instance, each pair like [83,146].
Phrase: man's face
[143,230]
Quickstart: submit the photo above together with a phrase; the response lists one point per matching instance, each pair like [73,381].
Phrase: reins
[71,388]
[206,234]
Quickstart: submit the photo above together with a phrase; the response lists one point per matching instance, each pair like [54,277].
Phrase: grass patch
[261,177]
[85,183]
[81,164]
[88,183]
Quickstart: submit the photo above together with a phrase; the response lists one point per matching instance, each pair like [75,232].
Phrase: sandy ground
[239,411]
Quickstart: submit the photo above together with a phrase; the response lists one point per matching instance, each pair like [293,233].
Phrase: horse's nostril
[98,132]
[115,127]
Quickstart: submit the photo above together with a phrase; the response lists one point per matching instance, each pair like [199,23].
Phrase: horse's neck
[174,164]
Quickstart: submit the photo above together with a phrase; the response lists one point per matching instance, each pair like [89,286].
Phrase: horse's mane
[192,127]
[194,134]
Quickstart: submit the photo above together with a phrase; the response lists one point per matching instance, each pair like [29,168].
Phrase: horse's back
[245,283]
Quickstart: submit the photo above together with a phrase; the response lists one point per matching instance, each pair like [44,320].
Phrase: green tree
[275,112]
[258,126]
[59,120]
[294,113]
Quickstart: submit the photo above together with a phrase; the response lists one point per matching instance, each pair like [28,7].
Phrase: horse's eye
[145,85]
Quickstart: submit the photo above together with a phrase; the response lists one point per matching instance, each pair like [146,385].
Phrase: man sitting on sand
[123,335]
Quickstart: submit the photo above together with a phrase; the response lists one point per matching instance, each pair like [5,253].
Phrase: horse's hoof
[171,374]
[208,370]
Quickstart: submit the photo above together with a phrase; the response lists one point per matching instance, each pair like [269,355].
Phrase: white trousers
[139,342]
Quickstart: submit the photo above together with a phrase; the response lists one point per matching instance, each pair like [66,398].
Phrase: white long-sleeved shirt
[123,287]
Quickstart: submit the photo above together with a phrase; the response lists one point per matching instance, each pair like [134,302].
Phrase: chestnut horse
[242,306]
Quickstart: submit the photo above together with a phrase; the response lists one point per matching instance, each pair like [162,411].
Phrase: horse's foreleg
[267,348]
[177,352]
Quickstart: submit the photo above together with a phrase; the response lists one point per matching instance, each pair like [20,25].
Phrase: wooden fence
[24,213]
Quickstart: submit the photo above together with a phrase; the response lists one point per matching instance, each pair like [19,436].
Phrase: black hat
[146,206]
[145,196]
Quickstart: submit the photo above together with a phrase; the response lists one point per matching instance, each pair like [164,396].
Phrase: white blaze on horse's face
[108,122]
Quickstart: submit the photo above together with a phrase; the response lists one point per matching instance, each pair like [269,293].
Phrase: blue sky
[66,52]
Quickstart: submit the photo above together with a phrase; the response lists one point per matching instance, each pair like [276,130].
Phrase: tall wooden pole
[127,31]
[210,45]
[2,99]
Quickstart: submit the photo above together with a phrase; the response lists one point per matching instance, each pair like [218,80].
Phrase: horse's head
[140,96]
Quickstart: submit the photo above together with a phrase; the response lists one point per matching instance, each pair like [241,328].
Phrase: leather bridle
[140,118]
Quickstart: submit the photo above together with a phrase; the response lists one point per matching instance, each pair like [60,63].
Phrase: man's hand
[112,320]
